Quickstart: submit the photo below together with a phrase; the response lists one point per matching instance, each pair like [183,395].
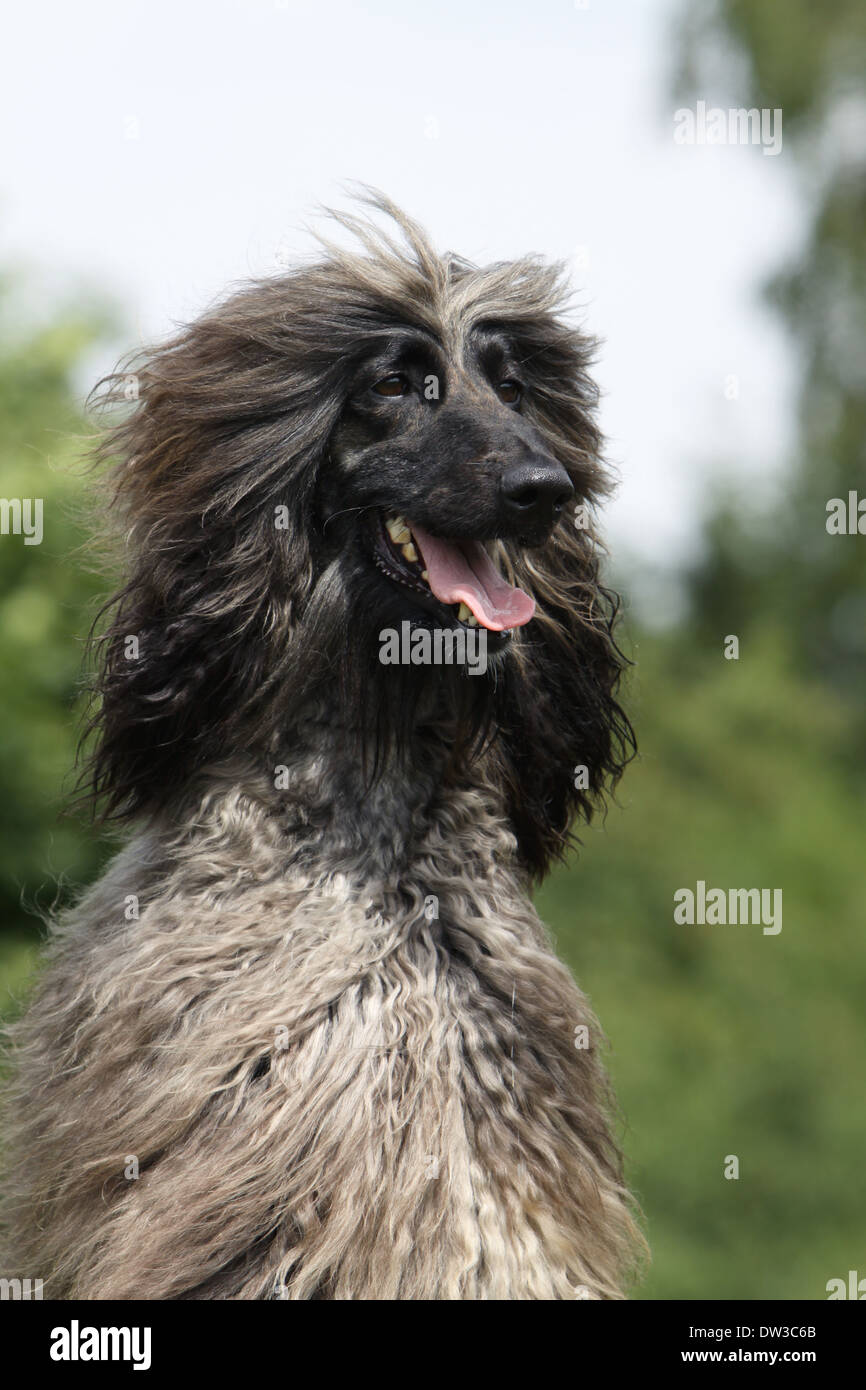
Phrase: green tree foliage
[48,593]
[809,60]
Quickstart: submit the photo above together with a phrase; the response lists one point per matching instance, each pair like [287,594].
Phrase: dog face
[384,435]
[433,456]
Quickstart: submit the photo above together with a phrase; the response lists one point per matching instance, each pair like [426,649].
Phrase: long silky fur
[307,1037]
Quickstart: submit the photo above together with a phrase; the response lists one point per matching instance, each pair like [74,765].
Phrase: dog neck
[349,802]
[333,800]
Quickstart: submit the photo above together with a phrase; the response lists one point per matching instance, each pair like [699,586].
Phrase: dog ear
[564,739]
[212,487]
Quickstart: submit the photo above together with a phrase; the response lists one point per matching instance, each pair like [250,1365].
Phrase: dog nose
[533,494]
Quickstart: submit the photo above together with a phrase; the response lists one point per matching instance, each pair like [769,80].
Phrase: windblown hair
[307,1037]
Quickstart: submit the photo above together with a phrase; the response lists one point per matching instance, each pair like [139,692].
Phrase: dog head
[435,454]
[386,440]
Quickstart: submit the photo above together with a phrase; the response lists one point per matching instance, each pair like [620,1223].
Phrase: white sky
[167,148]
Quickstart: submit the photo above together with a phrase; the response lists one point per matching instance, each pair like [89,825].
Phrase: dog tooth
[409,551]
[464,612]
[398,530]
[472,621]
[424,574]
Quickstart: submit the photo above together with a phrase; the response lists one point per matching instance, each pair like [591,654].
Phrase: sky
[163,151]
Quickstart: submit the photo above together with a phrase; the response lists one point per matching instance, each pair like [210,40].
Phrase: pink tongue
[462,571]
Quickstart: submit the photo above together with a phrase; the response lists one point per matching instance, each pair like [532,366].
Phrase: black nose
[533,494]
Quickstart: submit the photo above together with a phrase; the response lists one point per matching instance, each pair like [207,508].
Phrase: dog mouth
[456,575]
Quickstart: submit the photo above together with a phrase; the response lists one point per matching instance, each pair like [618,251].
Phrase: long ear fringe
[213,583]
[565,738]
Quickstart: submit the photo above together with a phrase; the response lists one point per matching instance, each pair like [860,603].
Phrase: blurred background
[154,154]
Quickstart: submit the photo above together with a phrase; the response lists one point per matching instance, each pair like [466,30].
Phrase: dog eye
[509,392]
[395,385]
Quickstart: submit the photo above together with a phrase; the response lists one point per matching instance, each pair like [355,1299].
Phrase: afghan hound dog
[307,1038]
